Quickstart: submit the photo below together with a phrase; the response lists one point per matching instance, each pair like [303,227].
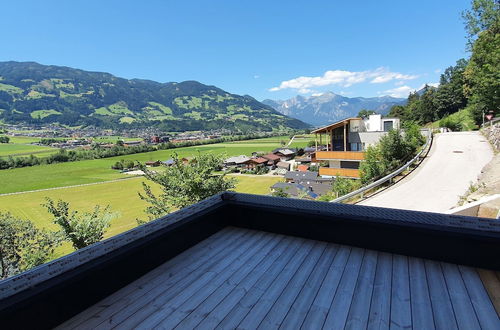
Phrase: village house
[253,163]
[284,153]
[153,163]
[236,161]
[272,160]
[346,142]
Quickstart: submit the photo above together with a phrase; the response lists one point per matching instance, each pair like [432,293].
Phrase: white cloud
[428,84]
[402,91]
[317,94]
[343,78]
[437,71]
[256,76]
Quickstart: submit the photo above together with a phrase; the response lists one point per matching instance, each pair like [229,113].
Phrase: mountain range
[36,93]
[319,110]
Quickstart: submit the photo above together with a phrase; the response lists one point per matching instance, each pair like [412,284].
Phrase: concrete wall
[368,138]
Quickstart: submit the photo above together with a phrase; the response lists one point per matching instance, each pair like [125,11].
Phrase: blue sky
[267,49]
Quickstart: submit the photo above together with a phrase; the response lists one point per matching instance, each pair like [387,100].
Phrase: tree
[343,186]
[22,245]
[373,166]
[481,17]
[365,113]
[4,139]
[482,75]
[279,192]
[184,184]
[80,229]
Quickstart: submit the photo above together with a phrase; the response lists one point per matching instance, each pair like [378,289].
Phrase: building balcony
[345,172]
[339,155]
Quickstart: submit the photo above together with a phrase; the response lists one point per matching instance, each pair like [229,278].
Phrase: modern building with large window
[346,141]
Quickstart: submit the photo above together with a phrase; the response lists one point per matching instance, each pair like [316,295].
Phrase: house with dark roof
[247,261]
[253,163]
[272,160]
[300,176]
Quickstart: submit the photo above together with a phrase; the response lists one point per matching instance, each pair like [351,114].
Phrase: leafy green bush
[462,120]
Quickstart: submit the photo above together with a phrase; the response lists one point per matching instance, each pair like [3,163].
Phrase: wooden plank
[444,316]
[464,311]
[359,311]
[492,285]
[337,316]
[233,289]
[252,295]
[235,306]
[209,247]
[298,312]
[421,306]
[485,312]
[156,297]
[282,305]
[380,308]
[258,312]
[233,274]
[318,312]
[400,293]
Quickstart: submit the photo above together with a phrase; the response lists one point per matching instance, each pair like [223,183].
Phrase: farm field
[121,196]
[17,149]
[20,146]
[99,170]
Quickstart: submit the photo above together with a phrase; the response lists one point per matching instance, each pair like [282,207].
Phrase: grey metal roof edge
[37,275]
[383,215]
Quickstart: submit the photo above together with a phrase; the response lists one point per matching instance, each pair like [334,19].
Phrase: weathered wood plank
[485,312]
[182,263]
[258,312]
[230,289]
[492,285]
[464,311]
[318,312]
[400,294]
[252,296]
[359,311]
[157,297]
[233,274]
[234,307]
[380,308]
[444,316]
[282,305]
[298,312]
[421,306]
[337,316]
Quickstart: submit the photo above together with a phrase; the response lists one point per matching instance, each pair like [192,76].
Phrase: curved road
[455,160]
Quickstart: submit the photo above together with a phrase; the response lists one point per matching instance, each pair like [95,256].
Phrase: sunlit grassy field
[99,170]
[121,196]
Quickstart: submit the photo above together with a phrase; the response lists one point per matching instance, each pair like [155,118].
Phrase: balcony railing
[346,172]
[340,155]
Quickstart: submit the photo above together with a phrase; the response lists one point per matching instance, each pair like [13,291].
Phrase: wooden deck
[251,279]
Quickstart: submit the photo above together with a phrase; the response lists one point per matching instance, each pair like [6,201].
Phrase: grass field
[121,196]
[90,171]
[20,146]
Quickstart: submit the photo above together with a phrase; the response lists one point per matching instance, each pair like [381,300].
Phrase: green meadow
[99,170]
[19,146]
[121,196]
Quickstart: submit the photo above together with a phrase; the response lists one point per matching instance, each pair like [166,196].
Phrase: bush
[343,186]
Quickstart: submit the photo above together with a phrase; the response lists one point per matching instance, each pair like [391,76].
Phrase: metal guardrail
[387,177]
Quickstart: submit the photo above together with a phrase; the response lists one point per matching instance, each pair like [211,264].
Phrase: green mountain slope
[35,93]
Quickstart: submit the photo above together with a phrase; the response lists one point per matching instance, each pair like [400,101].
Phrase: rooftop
[329,127]
[238,260]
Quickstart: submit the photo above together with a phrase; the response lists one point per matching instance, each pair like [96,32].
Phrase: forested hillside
[35,93]
[472,85]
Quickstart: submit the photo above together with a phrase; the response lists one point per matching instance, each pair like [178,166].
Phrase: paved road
[455,160]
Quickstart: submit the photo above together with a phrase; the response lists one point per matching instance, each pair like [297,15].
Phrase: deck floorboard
[247,279]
